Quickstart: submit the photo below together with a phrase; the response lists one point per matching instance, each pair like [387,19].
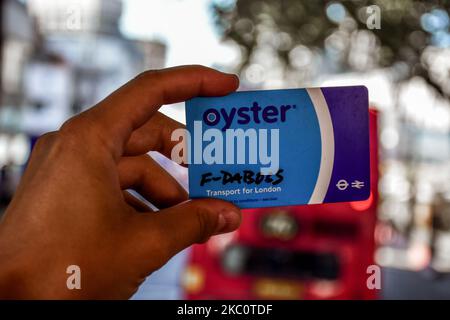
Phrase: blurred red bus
[298,252]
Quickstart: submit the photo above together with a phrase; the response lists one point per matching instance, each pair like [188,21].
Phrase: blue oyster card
[280,147]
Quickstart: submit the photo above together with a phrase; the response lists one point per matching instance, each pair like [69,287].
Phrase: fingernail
[227,219]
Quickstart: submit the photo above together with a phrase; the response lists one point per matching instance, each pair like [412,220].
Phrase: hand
[71,208]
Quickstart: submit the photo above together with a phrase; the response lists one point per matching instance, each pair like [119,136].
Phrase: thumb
[192,222]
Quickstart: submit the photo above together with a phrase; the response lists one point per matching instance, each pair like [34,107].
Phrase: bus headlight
[193,279]
[279,225]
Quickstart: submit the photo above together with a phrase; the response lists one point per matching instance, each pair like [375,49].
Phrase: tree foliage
[412,34]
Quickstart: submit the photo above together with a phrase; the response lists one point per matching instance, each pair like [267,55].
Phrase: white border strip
[327,141]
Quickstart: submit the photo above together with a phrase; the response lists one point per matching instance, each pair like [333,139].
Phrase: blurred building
[17,43]
[79,16]
[90,55]
[57,59]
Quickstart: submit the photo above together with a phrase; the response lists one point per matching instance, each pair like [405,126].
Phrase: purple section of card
[351,173]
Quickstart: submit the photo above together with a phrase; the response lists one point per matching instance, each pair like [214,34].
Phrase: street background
[59,57]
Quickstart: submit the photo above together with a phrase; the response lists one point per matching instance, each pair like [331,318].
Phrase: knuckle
[70,125]
[79,129]
[149,75]
[151,80]
[68,140]
[199,67]
[46,139]
[70,130]
[50,145]
[174,194]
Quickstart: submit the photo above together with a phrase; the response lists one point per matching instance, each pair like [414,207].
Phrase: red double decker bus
[298,252]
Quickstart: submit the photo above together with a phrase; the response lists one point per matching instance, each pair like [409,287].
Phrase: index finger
[154,135]
[128,108]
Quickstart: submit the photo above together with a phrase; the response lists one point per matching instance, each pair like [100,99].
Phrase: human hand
[71,208]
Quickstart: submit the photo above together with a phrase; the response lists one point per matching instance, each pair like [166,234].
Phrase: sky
[186,26]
